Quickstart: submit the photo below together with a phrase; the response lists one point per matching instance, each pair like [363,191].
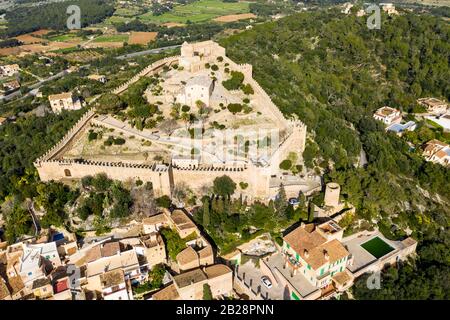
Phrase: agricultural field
[198,11]
[235,17]
[64,37]
[142,37]
[112,38]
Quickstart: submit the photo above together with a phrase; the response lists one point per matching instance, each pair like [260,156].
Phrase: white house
[65,101]
[433,105]
[198,88]
[114,286]
[388,115]
[437,152]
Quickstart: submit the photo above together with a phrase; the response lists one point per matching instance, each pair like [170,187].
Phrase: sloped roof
[186,256]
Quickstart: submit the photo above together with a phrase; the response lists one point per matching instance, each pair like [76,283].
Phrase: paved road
[34,86]
[142,53]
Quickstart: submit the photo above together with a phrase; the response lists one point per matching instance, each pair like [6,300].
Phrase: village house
[154,223]
[9,70]
[189,285]
[399,128]
[433,105]
[63,101]
[388,115]
[98,77]
[389,8]
[442,120]
[10,86]
[317,262]
[346,7]
[437,152]
[114,286]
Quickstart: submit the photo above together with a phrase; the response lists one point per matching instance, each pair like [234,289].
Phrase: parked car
[293,201]
[266,282]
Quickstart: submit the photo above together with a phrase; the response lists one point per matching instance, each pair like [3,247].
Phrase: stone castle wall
[159,175]
[164,177]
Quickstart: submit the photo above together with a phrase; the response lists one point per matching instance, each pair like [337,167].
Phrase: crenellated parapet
[67,137]
[149,69]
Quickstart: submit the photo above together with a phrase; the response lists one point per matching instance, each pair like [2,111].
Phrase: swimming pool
[377,247]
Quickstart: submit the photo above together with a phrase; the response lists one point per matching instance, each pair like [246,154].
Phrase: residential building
[399,128]
[155,250]
[9,70]
[442,120]
[42,288]
[197,253]
[346,7]
[4,290]
[433,105]
[63,101]
[10,86]
[388,115]
[316,252]
[189,285]
[107,257]
[181,223]
[389,8]
[154,223]
[97,77]
[437,152]
[114,286]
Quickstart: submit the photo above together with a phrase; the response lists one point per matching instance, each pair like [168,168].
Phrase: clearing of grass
[377,247]
[112,38]
[198,11]
[142,37]
[235,17]
[64,37]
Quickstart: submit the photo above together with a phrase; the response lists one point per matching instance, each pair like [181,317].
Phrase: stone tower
[332,192]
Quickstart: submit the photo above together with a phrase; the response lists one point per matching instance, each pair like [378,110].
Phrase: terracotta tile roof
[188,255]
[38,283]
[112,278]
[158,218]
[342,277]
[333,248]
[187,278]
[181,220]
[217,270]
[4,291]
[205,252]
[93,254]
[168,293]
[308,238]
[15,284]
[304,237]
[110,249]
[61,285]
[60,96]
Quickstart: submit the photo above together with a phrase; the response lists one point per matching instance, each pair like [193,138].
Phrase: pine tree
[281,201]
[206,218]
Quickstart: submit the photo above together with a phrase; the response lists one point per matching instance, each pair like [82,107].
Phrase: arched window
[67,173]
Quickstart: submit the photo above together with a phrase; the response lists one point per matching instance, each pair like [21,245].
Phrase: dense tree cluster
[53,16]
[334,73]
